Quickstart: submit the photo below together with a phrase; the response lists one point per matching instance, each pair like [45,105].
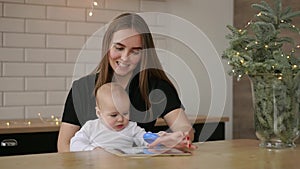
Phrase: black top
[162,96]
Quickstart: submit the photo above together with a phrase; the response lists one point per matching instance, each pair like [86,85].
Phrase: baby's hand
[169,139]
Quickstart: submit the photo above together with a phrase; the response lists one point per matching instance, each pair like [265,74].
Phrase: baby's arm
[81,142]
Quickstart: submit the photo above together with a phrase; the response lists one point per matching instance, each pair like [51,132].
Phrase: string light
[94,3]
[259,14]
[295,66]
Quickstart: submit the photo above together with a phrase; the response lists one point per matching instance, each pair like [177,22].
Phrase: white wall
[211,17]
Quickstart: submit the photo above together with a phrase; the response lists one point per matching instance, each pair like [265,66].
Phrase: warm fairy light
[228,63]
[288,56]
[256,42]
[273,66]
[240,30]
[94,3]
[242,61]
[233,71]
[52,116]
[298,46]
[280,77]
[266,46]
[259,14]
[293,26]
[282,21]
[7,124]
[295,66]
[29,122]
[240,76]
[238,53]
[246,48]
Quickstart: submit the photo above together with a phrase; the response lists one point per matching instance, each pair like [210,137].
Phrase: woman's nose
[125,55]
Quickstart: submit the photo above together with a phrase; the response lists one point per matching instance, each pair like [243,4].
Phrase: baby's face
[115,114]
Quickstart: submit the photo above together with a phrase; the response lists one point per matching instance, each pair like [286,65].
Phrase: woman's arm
[66,132]
[178,121]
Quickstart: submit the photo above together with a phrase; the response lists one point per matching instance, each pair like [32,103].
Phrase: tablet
[145,151]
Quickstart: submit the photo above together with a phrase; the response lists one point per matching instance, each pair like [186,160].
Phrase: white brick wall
[11,25]
[24,11]
[23,40]
[130,5]
[11,54]
[40,84]
[44,55]
[45,26]
[64,13]
[24,98]
[40,41]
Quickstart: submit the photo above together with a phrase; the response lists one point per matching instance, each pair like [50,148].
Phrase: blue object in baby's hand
[150,137]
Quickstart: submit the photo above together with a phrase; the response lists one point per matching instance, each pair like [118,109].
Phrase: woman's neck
[122,80]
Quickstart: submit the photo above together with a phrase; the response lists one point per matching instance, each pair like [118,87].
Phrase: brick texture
[40,50]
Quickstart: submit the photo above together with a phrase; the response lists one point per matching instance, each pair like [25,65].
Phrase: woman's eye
[113,115]
[136,52]
[119,48]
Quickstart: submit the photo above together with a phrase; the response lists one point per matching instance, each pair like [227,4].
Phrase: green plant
[258,48]
[260,51]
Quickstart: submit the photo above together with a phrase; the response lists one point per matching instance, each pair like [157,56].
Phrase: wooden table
[233,154]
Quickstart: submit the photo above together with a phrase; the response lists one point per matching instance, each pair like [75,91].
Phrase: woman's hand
[179,140]
[97,148]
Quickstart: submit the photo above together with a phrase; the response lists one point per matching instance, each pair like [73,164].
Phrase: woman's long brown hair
[149,66]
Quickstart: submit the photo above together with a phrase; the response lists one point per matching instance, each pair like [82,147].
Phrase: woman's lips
[121,64]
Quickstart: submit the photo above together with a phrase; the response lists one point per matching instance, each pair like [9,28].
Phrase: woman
[130,59]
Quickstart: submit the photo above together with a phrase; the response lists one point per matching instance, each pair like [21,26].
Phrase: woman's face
[125,52]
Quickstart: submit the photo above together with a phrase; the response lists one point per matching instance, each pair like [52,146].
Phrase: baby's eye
[113,115]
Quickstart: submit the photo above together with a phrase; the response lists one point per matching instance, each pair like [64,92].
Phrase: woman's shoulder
[159,83]
[89,77]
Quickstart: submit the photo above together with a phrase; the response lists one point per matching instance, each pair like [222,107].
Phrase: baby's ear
[97,111]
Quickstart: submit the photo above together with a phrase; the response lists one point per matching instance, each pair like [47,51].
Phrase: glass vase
[276,109]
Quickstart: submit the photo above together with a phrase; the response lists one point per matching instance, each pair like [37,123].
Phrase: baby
[113,129]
